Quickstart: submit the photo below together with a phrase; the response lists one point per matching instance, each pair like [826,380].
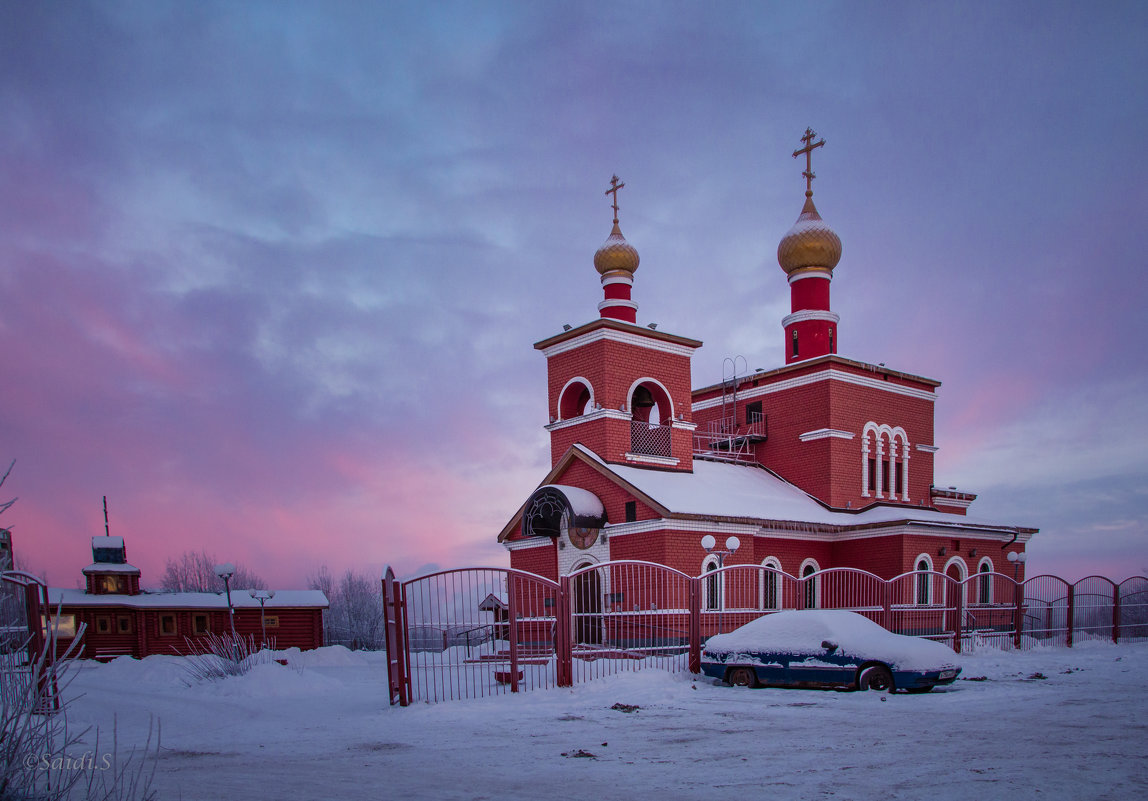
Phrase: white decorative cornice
[809,314]
[928,448]
[610,302]
[812,378]
[624,337]
[617,278]
[645,458]
[529,542]
[682,424]
[717,527]
[816,272]
[825,433]
[597,414]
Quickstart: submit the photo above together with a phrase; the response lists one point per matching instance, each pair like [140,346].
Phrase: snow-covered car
[827,648]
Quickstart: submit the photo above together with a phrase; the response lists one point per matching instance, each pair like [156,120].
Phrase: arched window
[924,580]
[770,584]
[884,462]
[985,582]
[795,343]
[811,589]
[713,583]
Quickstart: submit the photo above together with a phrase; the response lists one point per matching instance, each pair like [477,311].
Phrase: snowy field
[321,728]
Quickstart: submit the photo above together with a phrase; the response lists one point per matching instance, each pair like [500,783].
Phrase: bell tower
[808,253]
[619,389]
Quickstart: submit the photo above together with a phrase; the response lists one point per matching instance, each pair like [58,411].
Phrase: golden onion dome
[616,254]
[810,243]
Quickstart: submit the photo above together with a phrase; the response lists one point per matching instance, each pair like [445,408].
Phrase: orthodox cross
[808,151]
[615,185]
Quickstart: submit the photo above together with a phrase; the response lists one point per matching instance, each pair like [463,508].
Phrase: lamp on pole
[710,546]
[225,572]
[1017,560]
[263,596]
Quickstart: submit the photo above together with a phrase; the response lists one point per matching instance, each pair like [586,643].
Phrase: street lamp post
[710,546]
[225,572]
[1017,560]
[263,596]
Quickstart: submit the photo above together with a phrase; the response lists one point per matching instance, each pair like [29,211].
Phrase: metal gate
[27,644]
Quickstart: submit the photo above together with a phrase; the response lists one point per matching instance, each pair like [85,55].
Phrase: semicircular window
[553,507]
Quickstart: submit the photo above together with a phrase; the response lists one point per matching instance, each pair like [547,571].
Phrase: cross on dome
[808,151]
[615,185]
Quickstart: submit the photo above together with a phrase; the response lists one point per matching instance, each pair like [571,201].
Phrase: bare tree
[195,572]
[355,615]
[4,505]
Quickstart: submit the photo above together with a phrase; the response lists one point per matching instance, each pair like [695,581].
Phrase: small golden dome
[616,254]
[809,243]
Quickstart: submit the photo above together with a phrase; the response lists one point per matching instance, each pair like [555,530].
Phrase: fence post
[1116,613]
[512,613]
[1018,613]
[695,627]
[958,629]
[1071,615]
[392,638]
[405,640]
[564,669]
[887,605]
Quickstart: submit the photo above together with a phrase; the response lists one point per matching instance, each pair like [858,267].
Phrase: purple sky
[271,272]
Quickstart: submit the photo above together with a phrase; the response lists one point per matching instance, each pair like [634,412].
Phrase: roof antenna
[107,533]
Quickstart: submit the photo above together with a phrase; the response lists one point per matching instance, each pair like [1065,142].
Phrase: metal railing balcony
[651,440]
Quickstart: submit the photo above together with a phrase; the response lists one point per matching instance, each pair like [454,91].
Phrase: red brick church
[824,462]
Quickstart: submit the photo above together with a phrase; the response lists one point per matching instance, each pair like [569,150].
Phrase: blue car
[827,648]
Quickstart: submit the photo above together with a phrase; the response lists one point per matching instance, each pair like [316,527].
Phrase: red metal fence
[482,631]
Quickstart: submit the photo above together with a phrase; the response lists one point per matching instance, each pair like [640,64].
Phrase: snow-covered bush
[218,656]
[41,757]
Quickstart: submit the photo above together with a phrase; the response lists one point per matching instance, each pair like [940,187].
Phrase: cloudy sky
[271,272]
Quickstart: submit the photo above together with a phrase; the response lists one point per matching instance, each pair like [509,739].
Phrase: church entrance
[587,588]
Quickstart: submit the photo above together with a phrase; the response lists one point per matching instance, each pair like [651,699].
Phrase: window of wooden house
[271,621]
[111,585]
[200,624]
[103,624]
[167,625]
[124,624]
[65,626]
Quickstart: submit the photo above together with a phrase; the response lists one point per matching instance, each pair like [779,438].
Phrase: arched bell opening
[649,402]
[576,400]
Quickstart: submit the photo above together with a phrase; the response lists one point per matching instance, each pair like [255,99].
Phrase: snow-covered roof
[240,599]
[110,567]
[107,542]
[583,503]
[725,489]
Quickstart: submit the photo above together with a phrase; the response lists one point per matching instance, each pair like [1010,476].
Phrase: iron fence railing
[474,632]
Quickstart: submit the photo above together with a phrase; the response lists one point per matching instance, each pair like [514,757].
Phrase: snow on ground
[321,728]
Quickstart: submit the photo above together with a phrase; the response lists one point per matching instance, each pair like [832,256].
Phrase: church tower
[808,253]
[620,389]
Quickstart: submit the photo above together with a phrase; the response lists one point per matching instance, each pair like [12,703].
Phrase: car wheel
[741,677]
[875,677]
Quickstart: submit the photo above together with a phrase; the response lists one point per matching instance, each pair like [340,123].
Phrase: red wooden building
[824,462]
[124,620]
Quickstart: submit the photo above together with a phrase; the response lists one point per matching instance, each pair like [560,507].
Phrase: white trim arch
[769,590]
[713,588]
[960,562]
[810,591]
[985,582]
[585,382]
[669,416]
[923,582]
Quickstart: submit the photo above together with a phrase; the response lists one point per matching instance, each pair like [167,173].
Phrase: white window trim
[985,560]
[640,381]
[712,559]
[816,582]
[928,578]
[779,586]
